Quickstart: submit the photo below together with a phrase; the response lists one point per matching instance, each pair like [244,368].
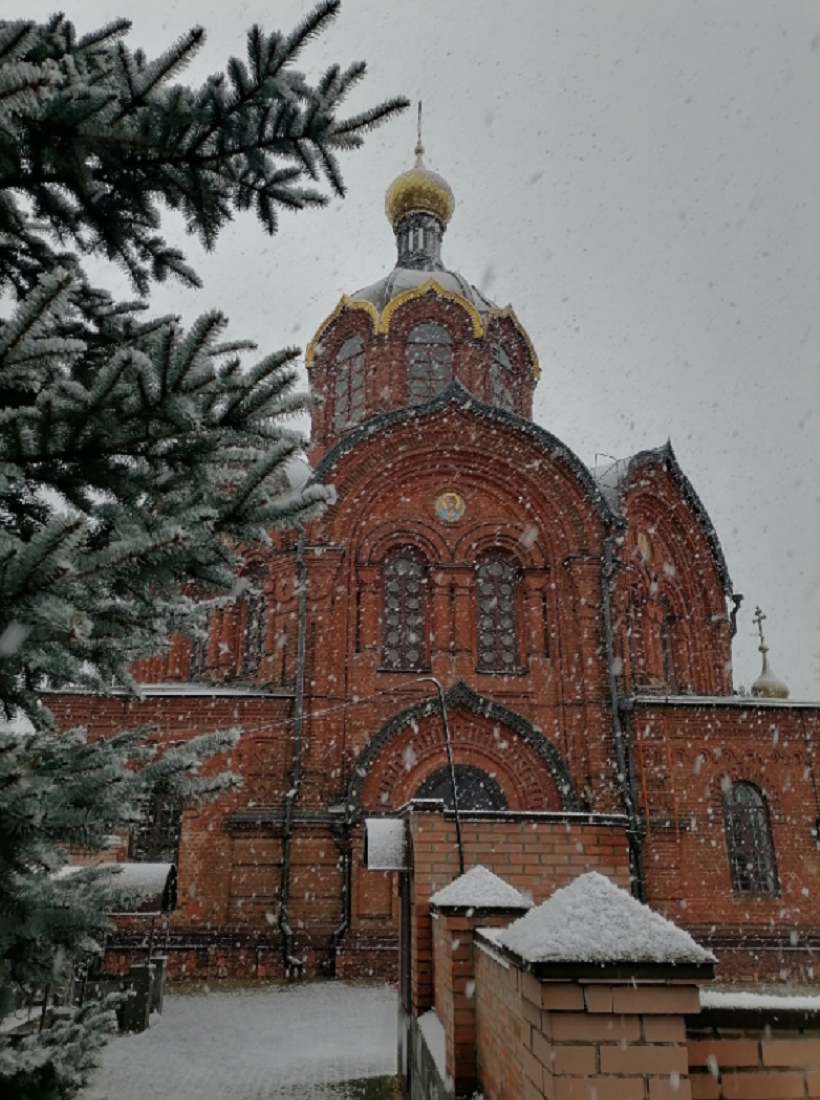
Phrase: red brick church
[579,621]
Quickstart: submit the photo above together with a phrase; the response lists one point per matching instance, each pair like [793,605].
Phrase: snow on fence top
[385,842]
[479,888]
[759,1002]
[594,921]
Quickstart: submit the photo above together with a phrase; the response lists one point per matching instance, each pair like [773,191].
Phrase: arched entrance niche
[477,789]
[409,751]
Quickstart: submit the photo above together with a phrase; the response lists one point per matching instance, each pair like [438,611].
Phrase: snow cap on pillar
[593,921]
[479,888]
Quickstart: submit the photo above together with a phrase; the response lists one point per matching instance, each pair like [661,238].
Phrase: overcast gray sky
[641,181]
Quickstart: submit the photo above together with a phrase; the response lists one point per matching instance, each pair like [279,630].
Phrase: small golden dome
[419,191]
[768,685]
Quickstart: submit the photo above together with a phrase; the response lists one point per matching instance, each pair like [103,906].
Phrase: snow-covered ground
[255,1044]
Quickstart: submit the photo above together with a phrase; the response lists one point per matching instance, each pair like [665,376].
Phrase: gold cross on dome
[419,147]
[758,619]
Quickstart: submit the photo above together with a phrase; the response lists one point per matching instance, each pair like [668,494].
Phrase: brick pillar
[463,621]
[369,611]
[454,984]
[440,614]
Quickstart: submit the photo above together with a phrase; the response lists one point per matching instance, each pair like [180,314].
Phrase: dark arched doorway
[476,789]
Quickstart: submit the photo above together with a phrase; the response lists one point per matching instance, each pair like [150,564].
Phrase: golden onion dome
[419,191]
[768,685]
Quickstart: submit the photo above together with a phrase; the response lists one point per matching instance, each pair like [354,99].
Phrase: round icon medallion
[450,506]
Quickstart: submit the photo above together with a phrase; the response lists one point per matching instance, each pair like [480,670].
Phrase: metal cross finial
[758,618]
[419,147]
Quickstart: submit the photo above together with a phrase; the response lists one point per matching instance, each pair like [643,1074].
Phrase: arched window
[200,645]
[349,399]
[497,615]
[476,789]
[429,362]
[404,621]
[155,839]
[501,379]
[749,840]
[670,674]
[253,641]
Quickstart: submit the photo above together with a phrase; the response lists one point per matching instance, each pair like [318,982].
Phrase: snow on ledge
[759,1002]
[594,921]
[479,888]
[431,1028]
[750,702]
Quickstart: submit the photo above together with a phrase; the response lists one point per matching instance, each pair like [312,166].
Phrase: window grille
[349,397]
[497,615]
[500,379]
[253,643]
[476,789]
[404,629]
[199,656]
[429,362]
[155,839]
[749,840]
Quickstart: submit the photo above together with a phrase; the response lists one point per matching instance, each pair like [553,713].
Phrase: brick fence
[612,1030]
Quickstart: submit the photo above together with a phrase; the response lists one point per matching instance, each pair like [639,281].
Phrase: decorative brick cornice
[665,457]
[462,695]
[456,395]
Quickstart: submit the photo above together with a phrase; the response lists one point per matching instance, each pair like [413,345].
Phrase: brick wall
[578,1040]
[535,853]
[685,754]
[499,1027]
[732,1057]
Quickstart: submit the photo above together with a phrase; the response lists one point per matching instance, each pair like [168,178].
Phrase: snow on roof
[131,883]
[763,1002]
[386,844]
[594,921]
[401,279]
[479,888]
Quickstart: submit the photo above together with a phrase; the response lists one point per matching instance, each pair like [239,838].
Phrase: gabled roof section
[612,480]
[456,396]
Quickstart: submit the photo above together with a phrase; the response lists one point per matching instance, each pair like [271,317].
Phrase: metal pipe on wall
[288,958]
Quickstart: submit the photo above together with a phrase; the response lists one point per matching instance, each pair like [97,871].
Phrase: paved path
[259,1043]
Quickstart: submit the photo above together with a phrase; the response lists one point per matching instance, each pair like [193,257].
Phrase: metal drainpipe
[448,745]
[285,929]
[737,600]
[623,748]
[342,841]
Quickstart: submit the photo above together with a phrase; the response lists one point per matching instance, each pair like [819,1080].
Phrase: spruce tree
[137,457]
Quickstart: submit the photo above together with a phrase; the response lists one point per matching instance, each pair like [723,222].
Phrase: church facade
[578,622]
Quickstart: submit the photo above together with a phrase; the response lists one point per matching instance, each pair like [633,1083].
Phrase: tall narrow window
[429,362]
[404,623]
[349,395]
[253,642]
[497,615]
[199,655]
[155,839]
[749,840]
[667,651]
[501,379]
